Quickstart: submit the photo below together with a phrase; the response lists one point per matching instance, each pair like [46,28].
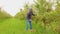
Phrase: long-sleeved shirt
[29,15]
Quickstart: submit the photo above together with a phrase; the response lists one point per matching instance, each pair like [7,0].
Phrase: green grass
[16,26]
[13,26]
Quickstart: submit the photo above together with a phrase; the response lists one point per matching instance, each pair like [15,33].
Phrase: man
[29,18]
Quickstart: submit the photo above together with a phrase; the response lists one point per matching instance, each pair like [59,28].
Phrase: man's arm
[33,14]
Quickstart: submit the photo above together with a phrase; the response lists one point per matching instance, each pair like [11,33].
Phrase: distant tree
[0,9]
[22,13]
[4,14]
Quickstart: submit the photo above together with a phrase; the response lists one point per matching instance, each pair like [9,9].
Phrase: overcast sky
[12,6]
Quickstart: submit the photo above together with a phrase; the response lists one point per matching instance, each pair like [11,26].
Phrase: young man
[29,18]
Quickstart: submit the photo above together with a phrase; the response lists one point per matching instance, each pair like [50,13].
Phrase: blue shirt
[29,15]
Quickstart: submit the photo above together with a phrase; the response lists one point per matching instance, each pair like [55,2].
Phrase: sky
[13,6]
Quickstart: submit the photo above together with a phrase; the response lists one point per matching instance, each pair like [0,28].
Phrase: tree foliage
[44,13]
[3,14]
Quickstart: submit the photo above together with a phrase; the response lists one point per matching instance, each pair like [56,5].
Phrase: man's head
[30,10]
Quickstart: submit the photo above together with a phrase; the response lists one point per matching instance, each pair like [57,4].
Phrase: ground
[17,26]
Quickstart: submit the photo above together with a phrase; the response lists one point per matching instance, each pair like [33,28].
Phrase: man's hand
[30,20]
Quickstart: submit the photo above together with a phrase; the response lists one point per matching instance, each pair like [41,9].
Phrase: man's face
[30,10]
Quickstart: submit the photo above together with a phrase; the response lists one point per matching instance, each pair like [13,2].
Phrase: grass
[16,26]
